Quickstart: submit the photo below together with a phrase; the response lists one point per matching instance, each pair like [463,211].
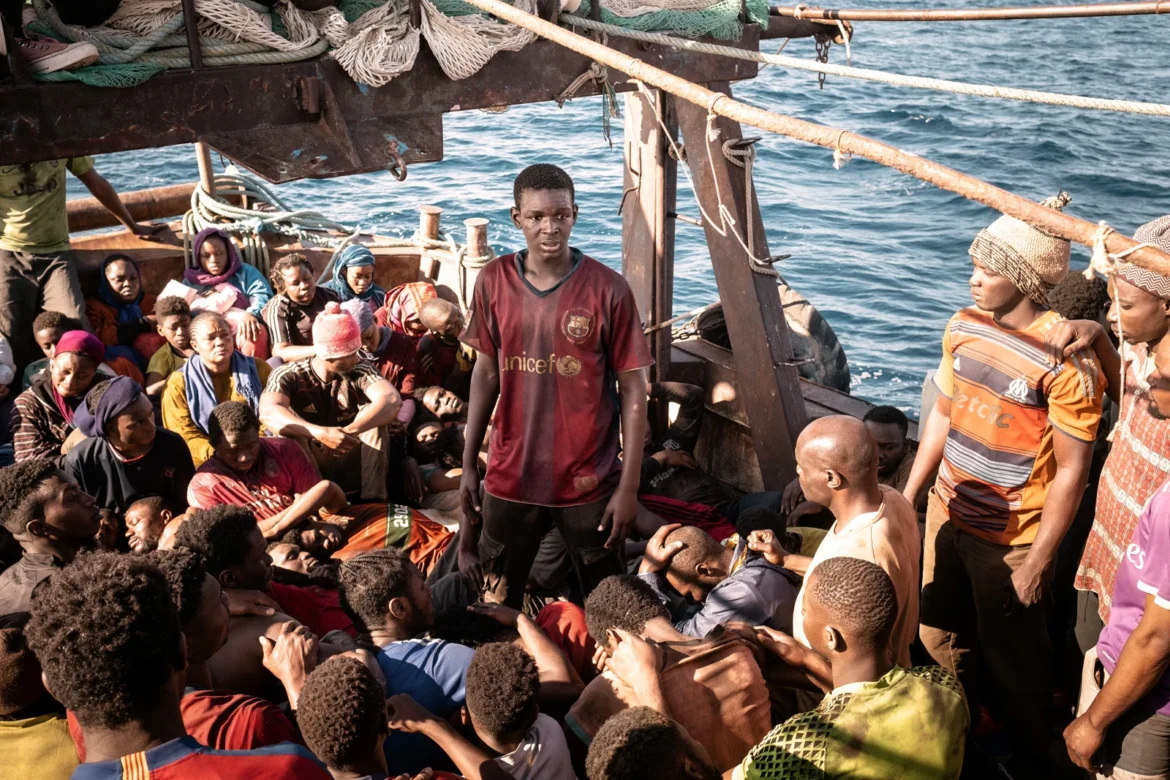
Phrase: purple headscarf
[120,393]
[197,277]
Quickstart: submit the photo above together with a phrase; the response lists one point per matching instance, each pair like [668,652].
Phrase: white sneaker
[44,55]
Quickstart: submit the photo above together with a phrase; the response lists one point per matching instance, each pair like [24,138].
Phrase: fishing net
[371,39]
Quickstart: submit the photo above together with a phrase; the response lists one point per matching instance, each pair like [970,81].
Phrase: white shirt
[543,753]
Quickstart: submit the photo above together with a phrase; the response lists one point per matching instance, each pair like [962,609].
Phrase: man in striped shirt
[1012,437]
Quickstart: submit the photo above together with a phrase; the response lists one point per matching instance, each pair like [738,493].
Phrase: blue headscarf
[353,256]
[127,312]
[200,389]
[119,394]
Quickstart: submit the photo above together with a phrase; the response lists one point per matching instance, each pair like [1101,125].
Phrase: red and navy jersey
[181,759]
[555,432]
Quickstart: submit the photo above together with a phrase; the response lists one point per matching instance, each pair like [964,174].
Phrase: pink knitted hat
[335,333]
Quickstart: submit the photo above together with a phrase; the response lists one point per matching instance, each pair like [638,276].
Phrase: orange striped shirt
[1006,399]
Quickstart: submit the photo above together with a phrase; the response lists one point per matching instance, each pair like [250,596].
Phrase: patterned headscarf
[403,303]
[1156,233]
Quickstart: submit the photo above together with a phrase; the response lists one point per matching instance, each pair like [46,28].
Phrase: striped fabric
[1136,467]
[38,428]
[1006,399]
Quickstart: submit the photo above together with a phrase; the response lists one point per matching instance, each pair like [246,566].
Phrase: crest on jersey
[1017,390]
[577,325]
[568,366]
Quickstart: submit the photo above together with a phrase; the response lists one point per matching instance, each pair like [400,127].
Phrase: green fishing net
[129,74]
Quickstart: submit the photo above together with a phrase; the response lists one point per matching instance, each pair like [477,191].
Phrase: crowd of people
[269,527]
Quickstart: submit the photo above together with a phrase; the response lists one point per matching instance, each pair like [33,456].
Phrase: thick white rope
[866,74]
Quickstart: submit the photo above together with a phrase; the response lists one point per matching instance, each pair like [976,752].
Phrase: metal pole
[974,14]
[1049,220]
[206,171]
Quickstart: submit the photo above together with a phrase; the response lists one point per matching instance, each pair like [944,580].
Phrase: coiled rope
[866,74]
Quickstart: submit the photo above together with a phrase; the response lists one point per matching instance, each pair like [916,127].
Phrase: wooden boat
[308,120]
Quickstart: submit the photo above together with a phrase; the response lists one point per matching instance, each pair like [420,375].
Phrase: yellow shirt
[32,205]
[38,747]
[176,415]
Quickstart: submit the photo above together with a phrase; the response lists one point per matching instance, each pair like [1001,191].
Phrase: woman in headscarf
[218,274]
[353,276]
[42,420]
[402,308]
[217,372]
[116,315]
[125,456]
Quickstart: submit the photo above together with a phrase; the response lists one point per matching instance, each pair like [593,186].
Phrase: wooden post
[769,382]
[649,188]
[206,171]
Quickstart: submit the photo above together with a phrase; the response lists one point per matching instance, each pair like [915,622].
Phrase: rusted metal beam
[257,114]
[751,301]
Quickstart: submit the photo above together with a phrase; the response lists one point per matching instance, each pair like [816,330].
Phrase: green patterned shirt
[909,725]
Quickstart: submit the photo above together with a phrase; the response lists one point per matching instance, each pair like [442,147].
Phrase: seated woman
[219,272]
[116,314]
[125,455]
[48,328]
[217,372]
[42,416]
[402,307]
[290,314]
[353,277]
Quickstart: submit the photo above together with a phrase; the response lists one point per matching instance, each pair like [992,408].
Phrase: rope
[803,11]
[865,74]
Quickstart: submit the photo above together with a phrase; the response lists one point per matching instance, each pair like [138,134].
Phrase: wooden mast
[648,200]
[769,383]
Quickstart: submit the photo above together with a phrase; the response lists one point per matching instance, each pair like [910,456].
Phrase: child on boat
[116,315]
[173,318]
[291,312]
[230,286]
[353,277]
[48,328]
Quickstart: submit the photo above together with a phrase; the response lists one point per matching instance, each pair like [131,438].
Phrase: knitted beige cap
[1033,260]
[1156,233]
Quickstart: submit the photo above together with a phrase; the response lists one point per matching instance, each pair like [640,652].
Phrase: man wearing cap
[1136,466]
[42,416]
[338,405]
[125,456]
[1011,436]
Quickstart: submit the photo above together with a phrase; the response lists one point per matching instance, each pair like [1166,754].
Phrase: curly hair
[1078,298]
[858,597]
[621,601]
[542,176]
[20,494]
[636,744]
[219,534]
[171,306]
[342,713]
[47,320]
[501,686]
[367,583]
[106,633]
[294,260]
[230,417]
[186,572]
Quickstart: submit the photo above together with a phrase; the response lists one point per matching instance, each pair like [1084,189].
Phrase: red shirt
[185,758]
[555,430]
[316,608]
[224,721]
[282,470]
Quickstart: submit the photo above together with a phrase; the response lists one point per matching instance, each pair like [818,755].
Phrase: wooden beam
[648,196]
[751,301]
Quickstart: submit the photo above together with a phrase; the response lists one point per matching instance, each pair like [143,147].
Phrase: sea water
[882,255]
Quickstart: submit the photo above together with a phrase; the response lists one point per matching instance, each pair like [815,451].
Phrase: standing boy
[1011,436]
[555,330]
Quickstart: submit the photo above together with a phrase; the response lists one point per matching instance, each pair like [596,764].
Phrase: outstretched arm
[108,197]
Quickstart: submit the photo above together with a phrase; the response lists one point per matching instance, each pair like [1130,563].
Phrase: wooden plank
[648,194]
[751,301]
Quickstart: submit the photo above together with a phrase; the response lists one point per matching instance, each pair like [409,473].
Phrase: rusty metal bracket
[397,165]
[309,94]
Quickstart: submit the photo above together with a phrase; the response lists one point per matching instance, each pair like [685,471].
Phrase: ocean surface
[882,255]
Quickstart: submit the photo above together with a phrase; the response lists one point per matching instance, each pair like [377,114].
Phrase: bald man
[717,584]
[837,463]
